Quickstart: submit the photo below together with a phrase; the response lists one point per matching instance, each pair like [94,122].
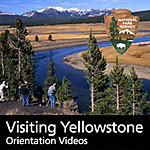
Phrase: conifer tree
[104,107]
[4,50]
[95,65]
[118,82]
[36,38]
[126,103]
[24,54]
[64,90]
[138,99]
[51,76]
[60,94]
[8,64]
[50,37]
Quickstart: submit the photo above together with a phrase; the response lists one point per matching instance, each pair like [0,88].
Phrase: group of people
[25,93]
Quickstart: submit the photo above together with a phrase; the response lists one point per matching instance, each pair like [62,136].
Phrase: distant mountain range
[59,15]
[59,12]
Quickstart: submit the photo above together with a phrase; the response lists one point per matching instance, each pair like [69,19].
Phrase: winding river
[80,89]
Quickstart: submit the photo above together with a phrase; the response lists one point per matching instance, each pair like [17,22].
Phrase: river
[80,89]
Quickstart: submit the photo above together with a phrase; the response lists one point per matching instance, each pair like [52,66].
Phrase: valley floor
[68,35]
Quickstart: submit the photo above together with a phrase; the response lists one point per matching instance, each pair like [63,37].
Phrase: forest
[116,93]
[18,64]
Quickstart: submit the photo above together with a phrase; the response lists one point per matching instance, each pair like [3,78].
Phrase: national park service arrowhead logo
[121,29]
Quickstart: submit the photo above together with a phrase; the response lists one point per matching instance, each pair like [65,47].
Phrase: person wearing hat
[2,86]
[24,93]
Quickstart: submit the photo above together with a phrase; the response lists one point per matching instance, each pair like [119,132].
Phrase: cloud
[12,1]
[73,4]
[4,6]
[16,1]
[87,3]
[110,1]
[38,6]
[28,6]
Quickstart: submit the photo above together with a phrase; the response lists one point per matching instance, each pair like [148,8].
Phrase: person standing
[24,94]
[39,93]
[51,94]
[2,86]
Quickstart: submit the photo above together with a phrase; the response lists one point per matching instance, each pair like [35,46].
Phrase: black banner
[75,132]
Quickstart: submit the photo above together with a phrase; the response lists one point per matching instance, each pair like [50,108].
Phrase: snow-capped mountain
[29,14]
[59,12]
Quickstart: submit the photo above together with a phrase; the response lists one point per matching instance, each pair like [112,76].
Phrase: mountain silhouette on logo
[126,31]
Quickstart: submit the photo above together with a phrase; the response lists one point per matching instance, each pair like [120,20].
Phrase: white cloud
[12,1]
[73,4]
[106,1]
[16,1]
[4,6]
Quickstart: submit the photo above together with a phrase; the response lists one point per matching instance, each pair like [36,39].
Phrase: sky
[22,6]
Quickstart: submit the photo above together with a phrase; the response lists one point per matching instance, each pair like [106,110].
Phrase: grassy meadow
[71,28]
[135,55]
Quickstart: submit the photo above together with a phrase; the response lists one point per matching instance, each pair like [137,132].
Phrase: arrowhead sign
[121,28]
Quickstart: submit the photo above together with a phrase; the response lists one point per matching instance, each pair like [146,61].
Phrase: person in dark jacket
[39,93]
[24,93]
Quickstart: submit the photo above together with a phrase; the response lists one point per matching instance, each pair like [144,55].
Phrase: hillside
[15,108]
[144,15]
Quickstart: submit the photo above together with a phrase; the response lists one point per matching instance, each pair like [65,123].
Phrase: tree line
[116,93]
[18,64]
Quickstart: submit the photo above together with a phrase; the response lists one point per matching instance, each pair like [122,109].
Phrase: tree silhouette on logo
[113,28]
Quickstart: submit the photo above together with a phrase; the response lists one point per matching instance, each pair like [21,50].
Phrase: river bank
[137,56]
[61,43]
[75,40]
